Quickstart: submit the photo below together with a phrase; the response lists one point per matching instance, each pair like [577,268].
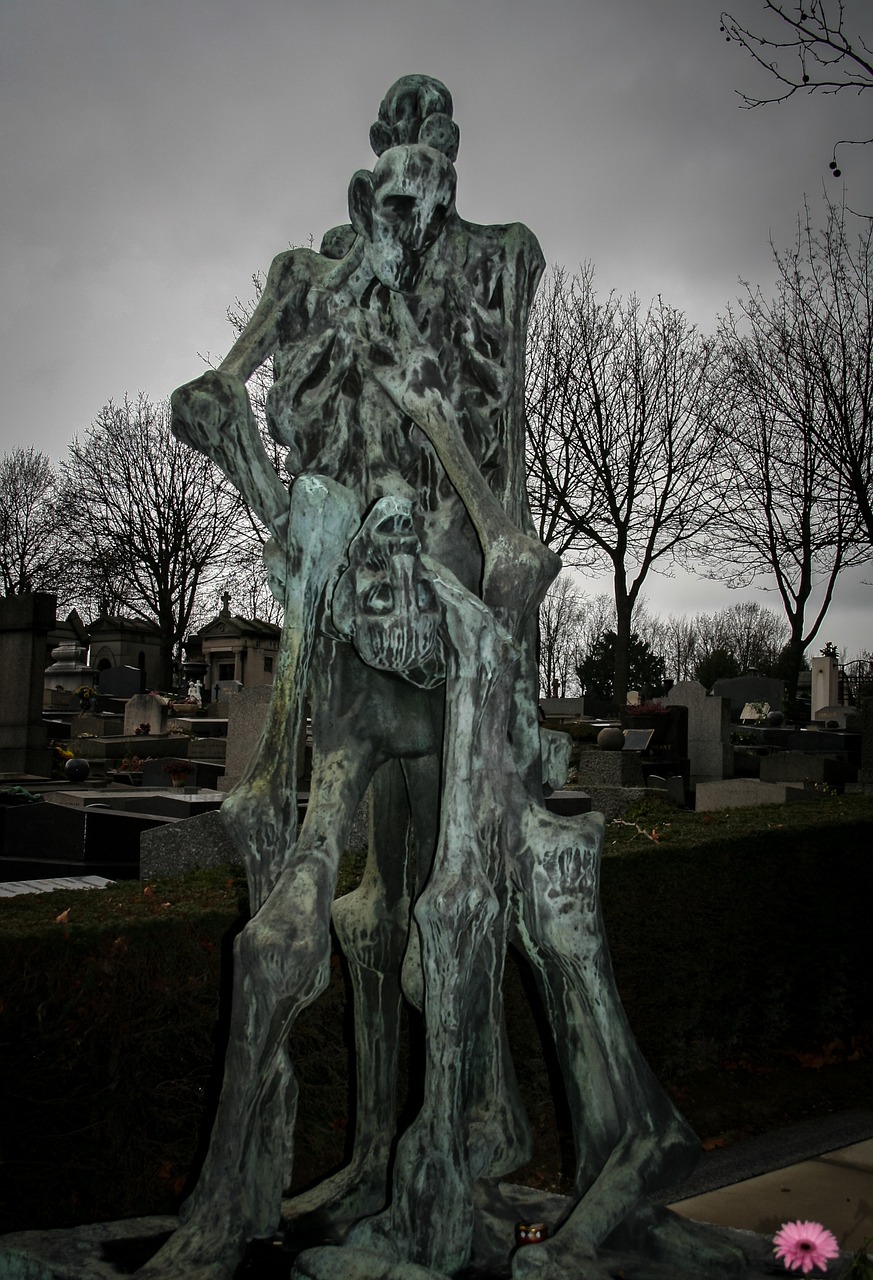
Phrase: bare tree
[788,516]
[807,49]
[561,620]
[679,647]
[620,404]
[153,519]
[245,576]
[754,635]
[32,533]
[826,282]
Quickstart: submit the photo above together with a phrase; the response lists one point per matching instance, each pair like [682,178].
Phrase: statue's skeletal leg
[261,812]
[430,1218]
[281,963]
[630,1140]
[372,925]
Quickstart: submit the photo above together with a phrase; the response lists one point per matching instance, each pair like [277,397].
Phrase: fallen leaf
[63,917]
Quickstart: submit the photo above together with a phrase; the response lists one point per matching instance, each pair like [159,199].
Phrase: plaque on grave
[637,739]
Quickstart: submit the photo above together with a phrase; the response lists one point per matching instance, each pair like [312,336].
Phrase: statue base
[112,1250]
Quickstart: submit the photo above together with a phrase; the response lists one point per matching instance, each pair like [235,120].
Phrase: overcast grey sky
[155,153]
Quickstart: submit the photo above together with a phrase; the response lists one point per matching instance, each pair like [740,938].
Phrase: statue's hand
[202,409]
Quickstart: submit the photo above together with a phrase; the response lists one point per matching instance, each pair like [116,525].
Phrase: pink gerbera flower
[804,1245]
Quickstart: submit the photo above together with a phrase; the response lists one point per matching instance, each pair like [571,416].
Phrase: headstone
[746,793]
[562,708]
[201,841]
[609,768]
[159,773]
[865,773]
[96,726]
[121,682]
[709,729]
[749,688]
[145,708]
[246,715]
[225,690]
[843,717]
[806,766]
[825,684]
[25,621]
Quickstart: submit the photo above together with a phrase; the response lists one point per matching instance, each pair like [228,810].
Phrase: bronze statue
[406,560]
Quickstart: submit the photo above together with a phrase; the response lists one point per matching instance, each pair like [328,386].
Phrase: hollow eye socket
[380,598]
[398,208]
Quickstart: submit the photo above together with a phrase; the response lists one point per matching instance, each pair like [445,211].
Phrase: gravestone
[709,729]
[96,726]
[839,717]
[563,708]
[121,682]
[865,772]
[201,841]
[825,684]
[159,773]
[25,621]
[142,709]
[806,766]
[246,717]
[746,689]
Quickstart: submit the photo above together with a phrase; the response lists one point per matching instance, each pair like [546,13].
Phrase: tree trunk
[623,617]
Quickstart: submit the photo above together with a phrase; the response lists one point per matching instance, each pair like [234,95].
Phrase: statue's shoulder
[294,267]
[498,257]
[510,244]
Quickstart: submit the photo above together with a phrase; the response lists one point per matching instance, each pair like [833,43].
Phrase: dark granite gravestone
[121,682]
[709,729]
[25,622]
[743,689]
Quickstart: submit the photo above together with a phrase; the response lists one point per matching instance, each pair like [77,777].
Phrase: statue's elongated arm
[258,339]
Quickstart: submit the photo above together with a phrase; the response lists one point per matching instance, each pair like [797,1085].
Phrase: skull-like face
[400,209]
[384,602]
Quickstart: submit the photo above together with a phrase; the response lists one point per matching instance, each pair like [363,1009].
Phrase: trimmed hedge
[730,933]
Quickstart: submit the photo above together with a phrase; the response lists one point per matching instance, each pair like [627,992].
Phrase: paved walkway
[11,888]
[833,1186]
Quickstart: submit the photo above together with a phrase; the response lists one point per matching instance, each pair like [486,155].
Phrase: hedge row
[729,934]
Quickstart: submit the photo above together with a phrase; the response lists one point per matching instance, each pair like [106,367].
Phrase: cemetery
[160,824]
[350,958]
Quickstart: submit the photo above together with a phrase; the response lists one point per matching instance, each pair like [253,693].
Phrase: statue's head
[416,109]
[400,210]
[384,603]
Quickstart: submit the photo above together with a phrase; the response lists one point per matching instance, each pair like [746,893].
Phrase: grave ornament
[404,555]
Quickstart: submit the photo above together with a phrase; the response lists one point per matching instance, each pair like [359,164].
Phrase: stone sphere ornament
[610,739]
[77,770]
